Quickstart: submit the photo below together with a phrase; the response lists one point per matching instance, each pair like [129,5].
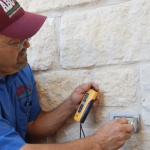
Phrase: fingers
[97,89]
[96,102]
[128,136]
[86,86]
[83,88]
[123,120]
[128,127]
[124,136]
[93,84]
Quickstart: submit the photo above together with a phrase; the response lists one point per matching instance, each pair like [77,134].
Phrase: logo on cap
[8,6]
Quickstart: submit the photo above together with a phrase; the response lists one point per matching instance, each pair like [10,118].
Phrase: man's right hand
[113,134]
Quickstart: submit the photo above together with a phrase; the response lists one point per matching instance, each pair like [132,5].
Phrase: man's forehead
[2,37]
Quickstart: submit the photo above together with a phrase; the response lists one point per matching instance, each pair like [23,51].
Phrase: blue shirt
[18,106]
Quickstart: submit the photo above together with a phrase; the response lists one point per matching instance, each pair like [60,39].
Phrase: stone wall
[105,41]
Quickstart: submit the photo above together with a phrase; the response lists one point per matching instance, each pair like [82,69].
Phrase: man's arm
[48,123]
[110,136]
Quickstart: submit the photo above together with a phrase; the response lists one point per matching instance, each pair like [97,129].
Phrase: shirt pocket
[23,111]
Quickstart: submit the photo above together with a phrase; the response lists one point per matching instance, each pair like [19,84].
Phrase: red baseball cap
[17,23]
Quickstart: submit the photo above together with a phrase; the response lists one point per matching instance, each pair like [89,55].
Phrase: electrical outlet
[133,119]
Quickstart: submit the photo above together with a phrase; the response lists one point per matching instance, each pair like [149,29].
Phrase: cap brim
[25,27]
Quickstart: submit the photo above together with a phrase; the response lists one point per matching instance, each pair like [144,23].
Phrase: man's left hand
[80,91]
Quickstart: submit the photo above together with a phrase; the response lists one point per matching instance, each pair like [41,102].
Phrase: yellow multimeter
[85,105]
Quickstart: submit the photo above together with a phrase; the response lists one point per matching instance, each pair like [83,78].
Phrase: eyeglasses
[19,47]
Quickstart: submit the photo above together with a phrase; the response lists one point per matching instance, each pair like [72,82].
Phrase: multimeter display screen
[83,102]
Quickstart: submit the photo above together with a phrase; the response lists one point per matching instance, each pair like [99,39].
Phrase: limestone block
[108,35]
[55,87]
[42,53]
[145,87]
[46,5]
[136,143]
[117,87]
[146,117]
[145,80]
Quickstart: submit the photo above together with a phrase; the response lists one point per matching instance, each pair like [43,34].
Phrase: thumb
[83,88]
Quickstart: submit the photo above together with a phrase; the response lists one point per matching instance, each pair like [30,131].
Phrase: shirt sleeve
[9,138]
[35,107]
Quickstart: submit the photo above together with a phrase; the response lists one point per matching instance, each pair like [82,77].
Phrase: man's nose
[26,44]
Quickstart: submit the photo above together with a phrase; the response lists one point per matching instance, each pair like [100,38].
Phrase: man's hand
[80,91]
[113,134]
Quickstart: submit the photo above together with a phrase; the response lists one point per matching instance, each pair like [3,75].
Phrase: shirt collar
[2,79]
[10,79]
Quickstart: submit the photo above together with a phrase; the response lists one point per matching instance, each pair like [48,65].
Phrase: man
[20,113]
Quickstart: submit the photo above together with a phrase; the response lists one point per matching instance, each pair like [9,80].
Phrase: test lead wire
[81,129]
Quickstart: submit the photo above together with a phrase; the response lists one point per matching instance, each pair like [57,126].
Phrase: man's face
[11,61]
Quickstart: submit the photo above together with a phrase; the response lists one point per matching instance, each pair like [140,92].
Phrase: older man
[20,113]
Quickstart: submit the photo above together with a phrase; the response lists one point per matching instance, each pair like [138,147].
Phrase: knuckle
[124,119]
[120,129]
[122,143]
[122,136]
[113,122]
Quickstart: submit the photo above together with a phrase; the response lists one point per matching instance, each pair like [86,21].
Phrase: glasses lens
[21,45]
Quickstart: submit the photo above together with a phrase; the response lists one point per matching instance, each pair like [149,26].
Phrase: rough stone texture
[71,134]
[145,86]
[146,117]
[42,53]
[136,143]
[46,5]
[108,35]
[117,87]
[55,87]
